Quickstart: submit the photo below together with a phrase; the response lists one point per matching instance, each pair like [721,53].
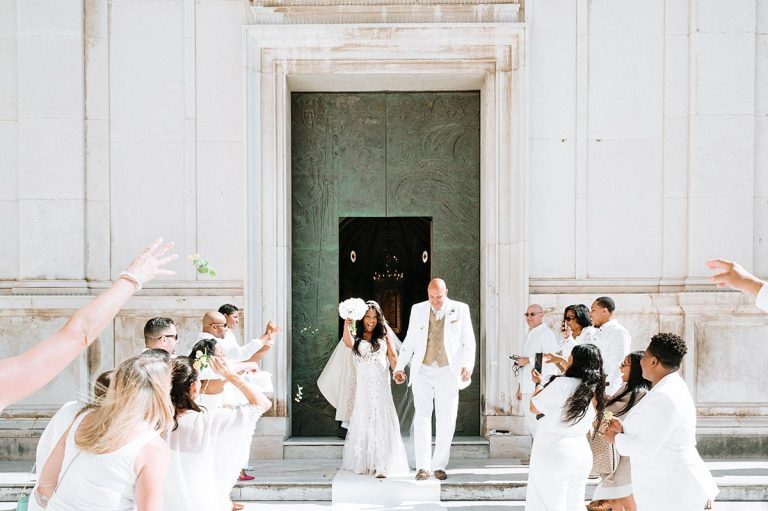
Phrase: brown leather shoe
[440,475]
[422,475]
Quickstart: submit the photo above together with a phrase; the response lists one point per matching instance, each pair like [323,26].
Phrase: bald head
[215,323]
[437,292]
[534,315]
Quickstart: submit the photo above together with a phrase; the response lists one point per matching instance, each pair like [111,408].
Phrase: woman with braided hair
[561,457]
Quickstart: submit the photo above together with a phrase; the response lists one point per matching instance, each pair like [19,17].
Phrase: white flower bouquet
[354,309]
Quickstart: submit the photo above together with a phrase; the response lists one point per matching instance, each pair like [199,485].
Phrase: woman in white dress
[561,457]
[615,489]
[203,469]
[373,444]
[113,457]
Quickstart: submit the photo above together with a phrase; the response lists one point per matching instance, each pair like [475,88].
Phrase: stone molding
[390,13]
[411,57]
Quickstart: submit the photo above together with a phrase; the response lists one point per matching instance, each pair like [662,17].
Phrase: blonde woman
[113,457]
[28,372]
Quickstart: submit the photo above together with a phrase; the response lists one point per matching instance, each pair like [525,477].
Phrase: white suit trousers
[530,418]
[438,386]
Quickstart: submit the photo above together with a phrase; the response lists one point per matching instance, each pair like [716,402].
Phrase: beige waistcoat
[436,342]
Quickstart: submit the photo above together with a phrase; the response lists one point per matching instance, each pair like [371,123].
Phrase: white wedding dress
[374,444]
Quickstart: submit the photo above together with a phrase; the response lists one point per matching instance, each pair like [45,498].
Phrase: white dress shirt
[613,341]
[539,340]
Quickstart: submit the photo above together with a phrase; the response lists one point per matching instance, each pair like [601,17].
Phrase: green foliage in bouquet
[202,265]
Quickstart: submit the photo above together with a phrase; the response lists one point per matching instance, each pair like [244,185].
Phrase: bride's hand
[399,377]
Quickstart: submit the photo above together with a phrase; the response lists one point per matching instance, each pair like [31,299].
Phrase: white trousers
[433,385]
[530,418]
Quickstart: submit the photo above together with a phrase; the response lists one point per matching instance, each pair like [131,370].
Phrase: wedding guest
[541,340]
[576,329]
[612,339]
[217,392]
[60,422]
[615,489]
[736,277]
[24,374]
[160,333]
[659,435]
[199,476]
[113,458]
[255,349]
[561,458]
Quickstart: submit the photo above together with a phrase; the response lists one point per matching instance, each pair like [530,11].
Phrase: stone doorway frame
[280,59]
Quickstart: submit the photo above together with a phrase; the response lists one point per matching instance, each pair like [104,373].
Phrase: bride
[373,444]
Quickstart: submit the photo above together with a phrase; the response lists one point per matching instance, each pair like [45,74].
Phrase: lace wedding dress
[374,444]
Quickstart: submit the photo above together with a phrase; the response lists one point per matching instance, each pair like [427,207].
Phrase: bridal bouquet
[354,309]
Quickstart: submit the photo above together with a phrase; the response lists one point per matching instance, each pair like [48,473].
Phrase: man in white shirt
[542,340]
[160,333]
[253,350]
[659,436]
[612,339]
[736,277]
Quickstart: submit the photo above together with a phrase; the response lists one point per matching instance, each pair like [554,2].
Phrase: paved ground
[451,506]
[474,482]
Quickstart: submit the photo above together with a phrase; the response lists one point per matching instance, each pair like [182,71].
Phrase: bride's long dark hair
[587,365]
[379,331]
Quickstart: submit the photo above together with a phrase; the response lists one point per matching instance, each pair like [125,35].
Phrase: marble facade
[623,145]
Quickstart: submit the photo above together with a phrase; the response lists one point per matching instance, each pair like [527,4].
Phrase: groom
[440,347]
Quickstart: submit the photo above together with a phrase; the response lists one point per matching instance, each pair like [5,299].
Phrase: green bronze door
[378,155]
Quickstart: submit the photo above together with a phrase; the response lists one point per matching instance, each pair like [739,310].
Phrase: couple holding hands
[440,347]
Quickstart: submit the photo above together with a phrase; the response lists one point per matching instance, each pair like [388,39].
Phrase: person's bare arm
[49,475]
[734,275]
[151,465]
[27,372]
[254,397]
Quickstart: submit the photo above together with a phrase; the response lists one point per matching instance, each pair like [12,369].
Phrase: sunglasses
[531,314]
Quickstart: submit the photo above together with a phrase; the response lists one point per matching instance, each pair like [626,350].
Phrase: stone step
[468,480]
[464,447]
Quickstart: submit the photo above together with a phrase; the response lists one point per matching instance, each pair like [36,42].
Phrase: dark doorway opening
[387,260]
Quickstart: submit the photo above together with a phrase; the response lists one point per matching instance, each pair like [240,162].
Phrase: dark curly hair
[379,331]
[669,349]
[635,382]
[183,375]
[587,365]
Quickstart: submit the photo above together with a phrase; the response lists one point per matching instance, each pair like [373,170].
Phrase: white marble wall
[648,122]
[647,139]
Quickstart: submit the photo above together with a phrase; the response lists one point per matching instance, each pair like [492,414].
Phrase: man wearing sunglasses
[540,339]
[160,333]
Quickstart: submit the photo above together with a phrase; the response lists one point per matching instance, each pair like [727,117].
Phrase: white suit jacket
[459,339]
[660,439]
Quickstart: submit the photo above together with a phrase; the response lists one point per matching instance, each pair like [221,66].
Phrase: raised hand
[734,276]
[149,264]
[221,367]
